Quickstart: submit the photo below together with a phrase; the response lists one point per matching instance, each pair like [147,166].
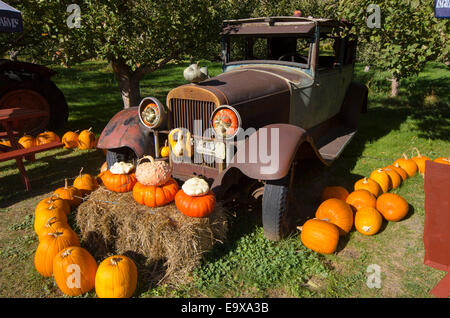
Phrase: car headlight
[151,112]
[226,121]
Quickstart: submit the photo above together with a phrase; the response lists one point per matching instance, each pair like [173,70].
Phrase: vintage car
[286,93]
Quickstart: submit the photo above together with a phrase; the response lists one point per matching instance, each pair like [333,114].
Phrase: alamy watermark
[374,19]
[374,278]
[74,19]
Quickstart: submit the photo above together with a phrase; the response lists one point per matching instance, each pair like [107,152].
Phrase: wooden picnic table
[9,117]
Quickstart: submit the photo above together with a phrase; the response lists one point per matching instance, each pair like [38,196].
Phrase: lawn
[247,265]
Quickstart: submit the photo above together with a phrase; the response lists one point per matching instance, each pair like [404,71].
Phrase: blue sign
[442,9]
[10,19]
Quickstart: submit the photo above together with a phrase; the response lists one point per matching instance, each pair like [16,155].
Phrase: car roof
[280,25]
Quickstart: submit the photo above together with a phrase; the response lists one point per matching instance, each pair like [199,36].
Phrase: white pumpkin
[195,187]
[195,74]
[121,168]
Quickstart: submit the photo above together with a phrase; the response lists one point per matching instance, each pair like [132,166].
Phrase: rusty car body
[286,82]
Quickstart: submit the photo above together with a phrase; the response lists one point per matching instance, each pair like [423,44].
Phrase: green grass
[247,265]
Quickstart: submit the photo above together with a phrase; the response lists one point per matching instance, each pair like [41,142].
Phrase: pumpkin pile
[84,140]
[366,207]
[60,255]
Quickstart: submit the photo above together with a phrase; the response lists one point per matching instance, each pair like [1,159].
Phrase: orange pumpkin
[55,202]
[5,142]
[74,270]
[69,193]
[154,196]
[27,141]
[408,165]
[118,182]
[86,139]
[395,178]
[50,245]
[46,137]
[43,215]
[361,198]
[85,183]
[369,185]
[51,226]
[338,212]
[420,161]
[392,206]
[336,192]
[320,236]
[116,277]
[443,160]
[382,178]
[402,173]
[195,206]
[165,150]
[368,221]
[70,139]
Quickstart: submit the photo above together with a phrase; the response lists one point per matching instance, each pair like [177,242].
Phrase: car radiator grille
[185,111]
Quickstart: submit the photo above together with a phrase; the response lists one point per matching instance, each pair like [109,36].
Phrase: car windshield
[282,50]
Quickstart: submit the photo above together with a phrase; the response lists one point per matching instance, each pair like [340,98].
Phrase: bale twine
[114,223]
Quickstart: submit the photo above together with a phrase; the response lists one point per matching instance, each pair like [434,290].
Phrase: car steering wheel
[294,57]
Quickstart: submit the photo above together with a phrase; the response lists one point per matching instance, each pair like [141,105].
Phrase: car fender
[25,67]
[126,130]
[286,143]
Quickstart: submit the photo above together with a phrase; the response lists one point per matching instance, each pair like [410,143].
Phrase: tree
[407,38]
[136,36]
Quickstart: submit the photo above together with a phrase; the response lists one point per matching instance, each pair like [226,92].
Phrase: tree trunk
[128,84]
[394,86]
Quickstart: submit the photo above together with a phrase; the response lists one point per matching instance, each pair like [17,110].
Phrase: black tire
[59,111]
[120,154]
[276,219]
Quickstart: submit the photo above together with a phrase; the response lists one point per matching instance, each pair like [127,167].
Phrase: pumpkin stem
[80,172]
[300,228]
[66,185]
[165,143]
[116,260]
[50,221]
[67,252]
[405,156]
[365,181]
[56,234]
[150,158]
[418,153]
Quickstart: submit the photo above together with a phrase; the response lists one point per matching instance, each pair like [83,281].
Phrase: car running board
[331,145]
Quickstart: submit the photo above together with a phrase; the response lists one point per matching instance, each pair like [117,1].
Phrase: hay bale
[173,243]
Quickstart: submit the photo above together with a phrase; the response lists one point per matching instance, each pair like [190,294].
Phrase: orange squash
[320,236]
[369,185]
[74,270]
[43,215]
[361,198]
[85,183]
[154,196]
[86,139]
[420,161]
[46,137]
[195,206]
[50,245]
[443,160]
[51,226]
[336,192]
[118,182]
[55,202]
[116,277]
[395,178]
[27,141]
[69,193]
[338,212]
[408,165]
[368,221]
[402,173]
[70,139]
[392,206]
[382,178]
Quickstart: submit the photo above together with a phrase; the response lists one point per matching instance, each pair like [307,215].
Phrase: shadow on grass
[47,174]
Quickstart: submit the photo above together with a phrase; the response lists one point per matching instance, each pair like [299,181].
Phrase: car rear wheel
[276,217]
[37,93]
